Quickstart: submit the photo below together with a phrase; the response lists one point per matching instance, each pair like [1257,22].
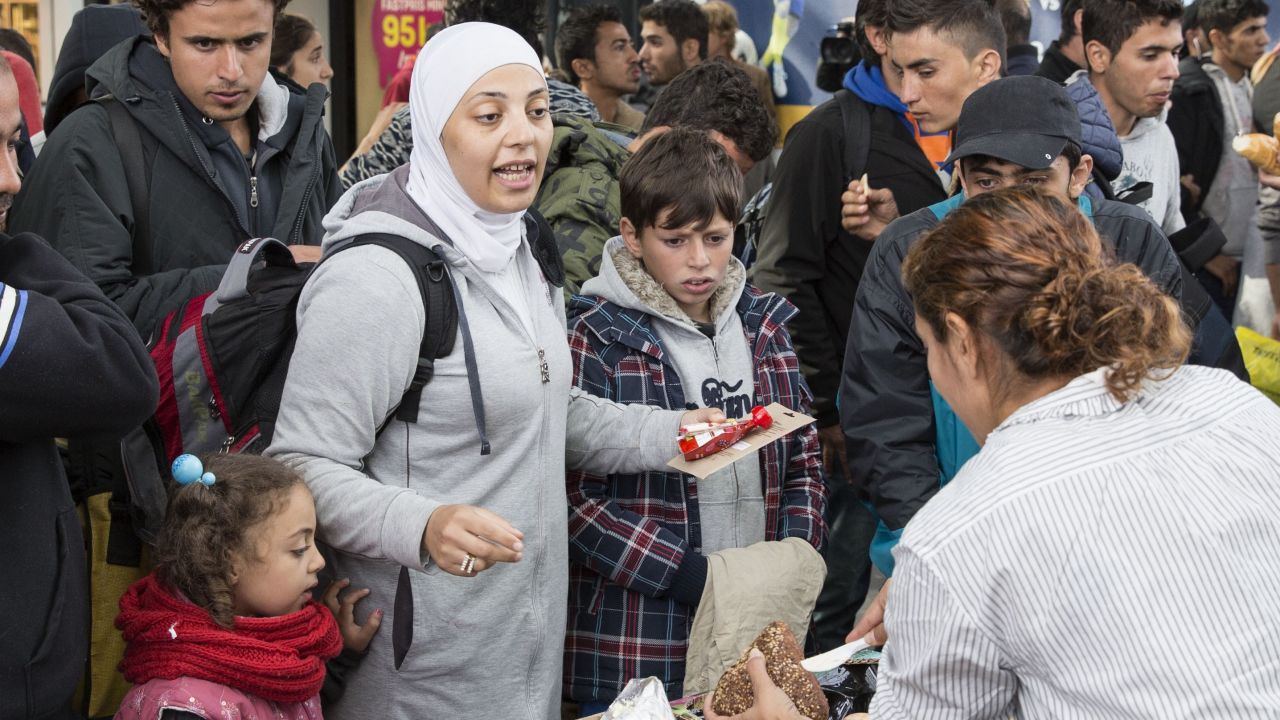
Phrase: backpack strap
[438,301]
[542,241]
[124,130]
[445,316]
[1136,194]
[857,134]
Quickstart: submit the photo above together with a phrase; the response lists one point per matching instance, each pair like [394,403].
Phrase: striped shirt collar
[1085,396]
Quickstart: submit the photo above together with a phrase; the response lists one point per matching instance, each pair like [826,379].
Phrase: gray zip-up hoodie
[716,371]
[483,646]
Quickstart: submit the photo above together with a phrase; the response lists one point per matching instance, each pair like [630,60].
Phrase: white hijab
[446,68]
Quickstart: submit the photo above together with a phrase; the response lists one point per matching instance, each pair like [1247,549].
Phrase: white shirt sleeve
[937,663]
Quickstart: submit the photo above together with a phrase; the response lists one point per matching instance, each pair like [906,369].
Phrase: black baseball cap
[1026,120]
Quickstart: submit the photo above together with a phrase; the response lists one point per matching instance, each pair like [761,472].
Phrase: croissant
[1261,150]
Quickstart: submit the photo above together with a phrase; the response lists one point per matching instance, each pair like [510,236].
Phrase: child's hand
[354,637]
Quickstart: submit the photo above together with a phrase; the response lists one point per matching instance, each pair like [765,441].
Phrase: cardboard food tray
[785,421]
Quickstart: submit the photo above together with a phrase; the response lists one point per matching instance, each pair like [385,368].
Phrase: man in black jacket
[1065,56]
[807,254]
[1021,57]
[902,443]
[1212,103]
[224,151]
[70,364]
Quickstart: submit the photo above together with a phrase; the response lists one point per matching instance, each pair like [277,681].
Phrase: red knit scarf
[277,658]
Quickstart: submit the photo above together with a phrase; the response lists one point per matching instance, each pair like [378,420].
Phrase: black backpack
[222,358]
[857,148]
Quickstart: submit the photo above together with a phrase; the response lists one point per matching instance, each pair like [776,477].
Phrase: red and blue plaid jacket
[628,533]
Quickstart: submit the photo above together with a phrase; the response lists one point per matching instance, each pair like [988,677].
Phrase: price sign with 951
[400,29]
[405,31]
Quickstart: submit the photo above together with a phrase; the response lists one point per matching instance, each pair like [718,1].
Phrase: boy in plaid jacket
[670,321]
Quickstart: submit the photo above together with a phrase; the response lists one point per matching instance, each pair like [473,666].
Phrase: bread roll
[782,656]
[1261,150]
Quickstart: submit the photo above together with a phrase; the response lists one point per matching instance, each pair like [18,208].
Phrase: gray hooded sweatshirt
[715,369]
[483,646]
[1151,156]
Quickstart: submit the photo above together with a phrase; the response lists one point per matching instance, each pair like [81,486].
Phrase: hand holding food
[1261,150]
[699,440]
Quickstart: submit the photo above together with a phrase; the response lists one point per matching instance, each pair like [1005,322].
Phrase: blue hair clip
[187,469]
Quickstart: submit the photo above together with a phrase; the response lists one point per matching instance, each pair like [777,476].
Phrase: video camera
[837,54]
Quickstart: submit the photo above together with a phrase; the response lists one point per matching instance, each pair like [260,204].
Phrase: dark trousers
[850,527]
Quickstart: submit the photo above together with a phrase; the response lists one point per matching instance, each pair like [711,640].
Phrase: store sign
[399,30]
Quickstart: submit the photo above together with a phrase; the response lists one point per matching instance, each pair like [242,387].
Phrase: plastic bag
[641,699]
[848,689]
[1262,360]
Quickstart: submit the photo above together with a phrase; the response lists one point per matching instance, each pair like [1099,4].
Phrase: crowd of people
[1005,288]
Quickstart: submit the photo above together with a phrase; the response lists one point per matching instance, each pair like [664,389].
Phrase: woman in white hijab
[458,519]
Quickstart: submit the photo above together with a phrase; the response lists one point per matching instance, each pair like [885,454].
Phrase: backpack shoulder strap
[1136,194]
[436,287]
[124,130]
[542,241]
[857,134]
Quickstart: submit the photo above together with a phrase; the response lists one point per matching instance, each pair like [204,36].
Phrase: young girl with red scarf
[226,626]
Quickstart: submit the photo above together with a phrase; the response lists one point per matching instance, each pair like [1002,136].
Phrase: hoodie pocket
[459,626]
[56,666]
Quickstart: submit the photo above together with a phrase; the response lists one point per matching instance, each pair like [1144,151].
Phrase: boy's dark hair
[715,95]
[292,33]
[1015,15]
[1223,15]
[1112,22]
[683,19]
[156,13]
[206,528]
[870,12]
[576,36]
[973,25]
[16,43]
[1067,12]
[685,173]
[526,18]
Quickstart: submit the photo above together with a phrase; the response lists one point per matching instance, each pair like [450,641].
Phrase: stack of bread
[782,656]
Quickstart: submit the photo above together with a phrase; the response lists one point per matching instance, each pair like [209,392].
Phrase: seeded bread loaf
[782,656]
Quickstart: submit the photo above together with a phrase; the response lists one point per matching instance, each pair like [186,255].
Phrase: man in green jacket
[579,193]
[211,150]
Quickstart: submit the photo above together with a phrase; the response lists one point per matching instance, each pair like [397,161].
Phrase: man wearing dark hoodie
[94,30]
[70,364]
[944,50]
[225,152]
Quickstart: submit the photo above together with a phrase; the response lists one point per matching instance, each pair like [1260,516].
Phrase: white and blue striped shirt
[1099,560]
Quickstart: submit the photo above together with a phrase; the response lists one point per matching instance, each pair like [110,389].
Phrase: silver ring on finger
[469,564]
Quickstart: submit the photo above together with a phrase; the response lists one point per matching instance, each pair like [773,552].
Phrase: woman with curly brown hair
[1060,573]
